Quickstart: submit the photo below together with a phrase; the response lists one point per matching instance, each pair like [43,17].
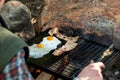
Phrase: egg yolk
[39,45]
[50,38]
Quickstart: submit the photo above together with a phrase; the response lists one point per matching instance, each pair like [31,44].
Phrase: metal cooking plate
[80,57]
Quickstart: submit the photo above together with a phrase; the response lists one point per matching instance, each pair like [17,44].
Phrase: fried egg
[44,47]
[51,42]
[38,50]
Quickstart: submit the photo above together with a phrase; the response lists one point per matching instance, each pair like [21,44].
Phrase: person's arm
[16,69]
[91,72]
[1,3]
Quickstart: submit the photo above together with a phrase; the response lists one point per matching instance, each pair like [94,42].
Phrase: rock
[95,20]
[17,17]
[35,7]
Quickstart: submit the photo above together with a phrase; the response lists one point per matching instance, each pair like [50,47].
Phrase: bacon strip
[69,45]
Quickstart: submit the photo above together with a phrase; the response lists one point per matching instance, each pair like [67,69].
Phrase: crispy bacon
[70,42]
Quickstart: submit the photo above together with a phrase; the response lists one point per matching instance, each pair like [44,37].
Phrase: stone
[95,20]
[87,18]
[17,18]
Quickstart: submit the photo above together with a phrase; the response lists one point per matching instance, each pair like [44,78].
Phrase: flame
[38,71]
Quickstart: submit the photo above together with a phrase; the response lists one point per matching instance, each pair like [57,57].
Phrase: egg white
[48,45]
[36,52]
[51,44]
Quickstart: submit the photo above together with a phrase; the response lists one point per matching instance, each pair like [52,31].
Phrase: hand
[1,3]
[92,72]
